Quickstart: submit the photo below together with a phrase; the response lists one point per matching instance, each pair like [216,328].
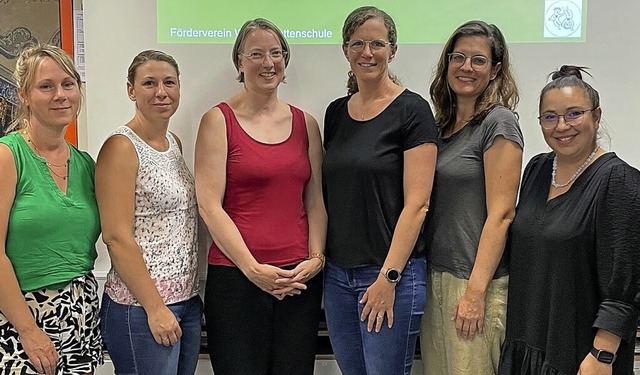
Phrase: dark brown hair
[501,90]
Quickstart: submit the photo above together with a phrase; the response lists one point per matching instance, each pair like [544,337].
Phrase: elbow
[206,211]
[424,208]
[504,219]
[202,210]
[509,216]
[419,208]
[114,241]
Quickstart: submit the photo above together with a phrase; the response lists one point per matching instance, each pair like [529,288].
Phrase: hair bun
[569,71]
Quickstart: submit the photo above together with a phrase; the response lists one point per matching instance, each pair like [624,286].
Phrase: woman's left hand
[469,315]
[307,269]
[591,366]
[303,272]
[378,301]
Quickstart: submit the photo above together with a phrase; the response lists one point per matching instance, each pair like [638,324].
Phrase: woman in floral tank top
[151,310]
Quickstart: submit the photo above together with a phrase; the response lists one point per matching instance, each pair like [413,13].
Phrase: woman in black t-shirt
[377,177]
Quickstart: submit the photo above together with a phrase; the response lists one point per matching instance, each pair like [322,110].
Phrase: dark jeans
[389,351]
[251,332]
[133,349]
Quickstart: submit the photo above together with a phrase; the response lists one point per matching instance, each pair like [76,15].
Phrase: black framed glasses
[572,117]
[275,55]
[357,45]
[478,62]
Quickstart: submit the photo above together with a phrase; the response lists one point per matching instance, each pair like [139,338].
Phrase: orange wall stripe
[66,39]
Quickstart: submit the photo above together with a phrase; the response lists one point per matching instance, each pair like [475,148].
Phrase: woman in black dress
[573,293]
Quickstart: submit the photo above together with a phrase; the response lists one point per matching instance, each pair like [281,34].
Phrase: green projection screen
[419,22]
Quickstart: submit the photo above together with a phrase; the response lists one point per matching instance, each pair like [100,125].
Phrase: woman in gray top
[473,202]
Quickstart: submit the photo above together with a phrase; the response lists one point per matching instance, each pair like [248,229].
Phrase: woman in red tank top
[257,167]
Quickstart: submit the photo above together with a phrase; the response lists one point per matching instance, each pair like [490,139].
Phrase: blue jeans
[390,351]
[131,345]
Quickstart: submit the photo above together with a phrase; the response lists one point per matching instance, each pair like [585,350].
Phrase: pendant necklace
[50,165]
[575,175]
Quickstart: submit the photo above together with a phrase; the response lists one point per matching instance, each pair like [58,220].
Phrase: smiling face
[465,82]
[367,64]
[54,98]
[570,142]
[267,72]
[156,90]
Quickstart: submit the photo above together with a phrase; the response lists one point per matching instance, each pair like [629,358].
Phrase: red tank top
[264,193]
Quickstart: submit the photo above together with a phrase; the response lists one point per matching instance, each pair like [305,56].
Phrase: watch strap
[603,355]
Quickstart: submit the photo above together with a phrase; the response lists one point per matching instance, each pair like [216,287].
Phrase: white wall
[116,30]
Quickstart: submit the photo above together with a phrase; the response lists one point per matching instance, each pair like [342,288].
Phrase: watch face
[393,275]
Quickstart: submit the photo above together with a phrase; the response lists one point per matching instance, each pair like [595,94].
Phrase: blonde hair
[146,56]
[24,75]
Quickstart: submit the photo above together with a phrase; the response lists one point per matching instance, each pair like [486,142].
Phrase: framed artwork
[22,24]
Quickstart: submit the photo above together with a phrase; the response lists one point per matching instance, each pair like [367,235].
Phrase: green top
[51,236]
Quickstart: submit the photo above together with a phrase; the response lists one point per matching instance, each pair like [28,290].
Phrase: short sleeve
[330,116]
[501,122]
[618,251]
[419,126]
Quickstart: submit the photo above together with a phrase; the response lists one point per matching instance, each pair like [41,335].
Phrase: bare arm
[116,171]
[419,169]
[36,343]
[502,165]
[210,175]
[314,206]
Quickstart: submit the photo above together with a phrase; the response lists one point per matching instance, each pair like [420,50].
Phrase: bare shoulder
[212,118]
[5,152]
[117,148]
[7,162]
[312,123]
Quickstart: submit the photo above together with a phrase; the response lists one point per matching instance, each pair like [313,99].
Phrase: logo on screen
[562,19]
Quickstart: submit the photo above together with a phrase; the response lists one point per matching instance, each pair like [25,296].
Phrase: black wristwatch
[603,355]
[391,274]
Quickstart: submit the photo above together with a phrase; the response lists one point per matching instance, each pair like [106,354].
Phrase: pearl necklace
[575,175]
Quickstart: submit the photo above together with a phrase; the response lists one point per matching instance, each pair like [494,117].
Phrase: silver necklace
[575,175]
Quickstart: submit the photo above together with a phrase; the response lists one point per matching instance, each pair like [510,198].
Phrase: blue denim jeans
[390,351]
[131,345]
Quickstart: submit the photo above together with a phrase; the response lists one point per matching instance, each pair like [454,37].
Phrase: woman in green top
[49,224]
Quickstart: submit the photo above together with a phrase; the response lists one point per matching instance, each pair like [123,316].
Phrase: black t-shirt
[363,173]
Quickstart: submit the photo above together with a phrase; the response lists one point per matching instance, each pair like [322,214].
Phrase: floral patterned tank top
[165,223]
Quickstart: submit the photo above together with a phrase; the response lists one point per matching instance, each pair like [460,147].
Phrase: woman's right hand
[40,350]
[164,326]
[275,281]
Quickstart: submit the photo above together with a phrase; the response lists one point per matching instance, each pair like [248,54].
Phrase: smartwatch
[603,355]
[391,274]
